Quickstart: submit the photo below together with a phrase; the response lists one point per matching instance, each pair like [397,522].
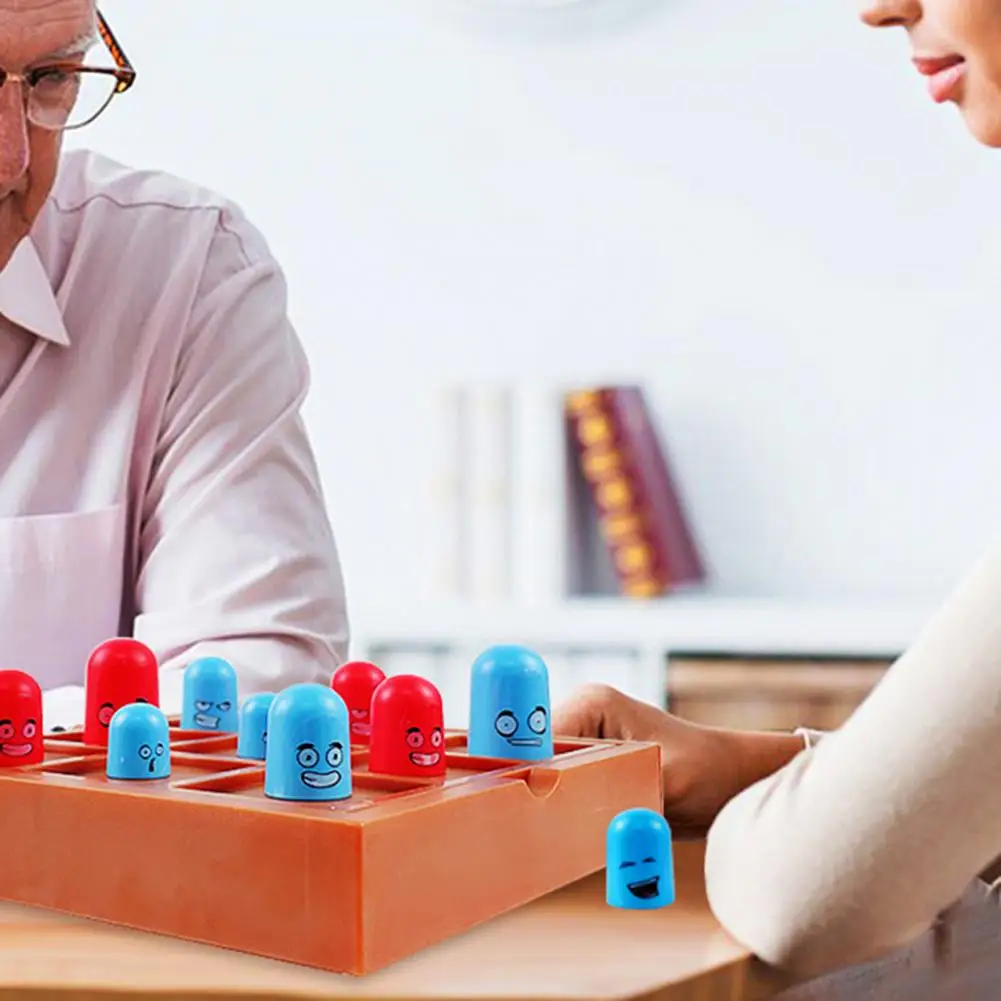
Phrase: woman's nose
[890,13]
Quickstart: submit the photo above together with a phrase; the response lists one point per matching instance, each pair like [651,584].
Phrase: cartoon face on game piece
[119,672]
[253,740]
[639,864]
[408,728]
[210,696]
[138,744]
[20,720]
[509,706]
[308,754]
[356,682]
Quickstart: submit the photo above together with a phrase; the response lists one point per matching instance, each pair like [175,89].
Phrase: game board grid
[206,764]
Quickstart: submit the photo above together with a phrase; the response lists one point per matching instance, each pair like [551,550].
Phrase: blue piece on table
[138,743]
[639,872]
[253,740]
[308,756]
[210,696]
[509,707]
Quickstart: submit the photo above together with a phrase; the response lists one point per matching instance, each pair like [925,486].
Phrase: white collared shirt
[155,475]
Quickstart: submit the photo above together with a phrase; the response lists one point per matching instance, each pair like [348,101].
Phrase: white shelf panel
[685,623]
[448,668]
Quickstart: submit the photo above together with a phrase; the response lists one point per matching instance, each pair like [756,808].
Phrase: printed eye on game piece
[310,824]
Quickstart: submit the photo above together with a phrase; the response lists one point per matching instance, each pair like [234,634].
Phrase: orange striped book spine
[640,512]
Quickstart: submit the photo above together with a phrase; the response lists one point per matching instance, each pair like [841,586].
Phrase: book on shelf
[497,494]
[638,506]
[540,476]
[487,493]
[445,540]
[537,494]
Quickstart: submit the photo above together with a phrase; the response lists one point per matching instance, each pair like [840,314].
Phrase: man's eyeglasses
[68,94]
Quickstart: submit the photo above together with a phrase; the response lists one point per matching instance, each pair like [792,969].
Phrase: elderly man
[155,476]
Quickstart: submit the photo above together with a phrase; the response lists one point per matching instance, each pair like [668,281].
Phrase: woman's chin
[984,124]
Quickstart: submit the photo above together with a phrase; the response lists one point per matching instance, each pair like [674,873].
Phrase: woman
[828,851]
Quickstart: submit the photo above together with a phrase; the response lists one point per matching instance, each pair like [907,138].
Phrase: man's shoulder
[109,200]
[86,177]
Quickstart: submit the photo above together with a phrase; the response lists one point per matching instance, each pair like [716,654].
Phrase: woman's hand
[704,767]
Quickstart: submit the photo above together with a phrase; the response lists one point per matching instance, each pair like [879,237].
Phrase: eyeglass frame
[123,72]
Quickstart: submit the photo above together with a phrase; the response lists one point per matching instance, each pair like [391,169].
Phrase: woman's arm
[858,844]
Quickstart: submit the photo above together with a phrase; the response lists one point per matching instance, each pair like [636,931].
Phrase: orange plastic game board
[347,886]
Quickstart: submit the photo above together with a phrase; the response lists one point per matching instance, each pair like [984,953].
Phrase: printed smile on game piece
[424,760]
[16,750]
[645,889]
[525,741]
[321,780]
[209,722]
[361,728]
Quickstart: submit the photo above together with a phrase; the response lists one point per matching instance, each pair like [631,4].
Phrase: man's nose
[890,13]
[13,134]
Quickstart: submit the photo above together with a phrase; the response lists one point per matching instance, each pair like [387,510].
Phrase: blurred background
[749,209]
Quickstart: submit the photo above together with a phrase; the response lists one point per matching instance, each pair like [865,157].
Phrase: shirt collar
[26,296]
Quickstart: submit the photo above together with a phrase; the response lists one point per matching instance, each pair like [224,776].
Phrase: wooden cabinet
[769,693]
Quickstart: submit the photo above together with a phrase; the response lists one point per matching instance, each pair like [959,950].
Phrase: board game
[196,838]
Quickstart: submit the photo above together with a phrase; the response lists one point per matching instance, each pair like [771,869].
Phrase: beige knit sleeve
[860,842]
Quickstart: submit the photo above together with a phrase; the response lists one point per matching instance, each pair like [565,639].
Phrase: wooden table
[567,946]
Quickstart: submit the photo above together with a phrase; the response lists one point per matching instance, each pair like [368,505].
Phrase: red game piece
[119,672]
[20,720]
[356,682]
[408,727]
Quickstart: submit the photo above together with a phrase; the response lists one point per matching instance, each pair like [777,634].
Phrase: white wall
[752,202]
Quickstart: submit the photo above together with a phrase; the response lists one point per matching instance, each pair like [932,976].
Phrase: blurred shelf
[691,623]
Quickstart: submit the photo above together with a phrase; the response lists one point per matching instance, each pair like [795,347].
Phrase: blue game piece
[308,755]
[210,696]
[138,743]
[509,710]
[253,740]
[640,862]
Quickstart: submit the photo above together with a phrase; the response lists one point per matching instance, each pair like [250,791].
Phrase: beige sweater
[858,844]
